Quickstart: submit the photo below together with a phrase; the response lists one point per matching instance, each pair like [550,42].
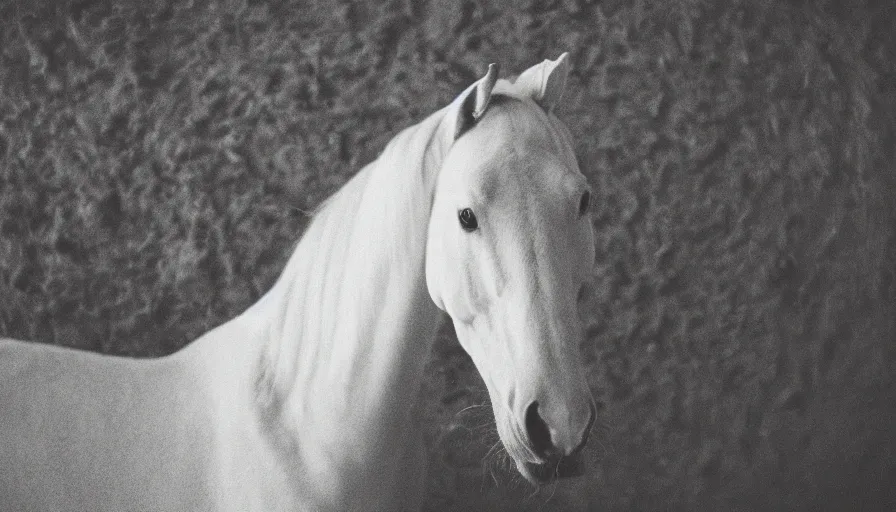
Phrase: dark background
[156,157]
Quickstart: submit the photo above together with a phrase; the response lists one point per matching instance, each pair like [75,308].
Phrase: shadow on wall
[156,159]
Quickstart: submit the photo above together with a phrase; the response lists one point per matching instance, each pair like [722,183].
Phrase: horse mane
[382,213]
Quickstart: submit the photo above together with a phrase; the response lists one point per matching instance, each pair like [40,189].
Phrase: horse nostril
[538,432]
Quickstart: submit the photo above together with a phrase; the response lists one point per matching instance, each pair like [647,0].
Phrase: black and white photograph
[447,255]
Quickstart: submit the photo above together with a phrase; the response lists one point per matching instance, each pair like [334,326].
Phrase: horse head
[510,250]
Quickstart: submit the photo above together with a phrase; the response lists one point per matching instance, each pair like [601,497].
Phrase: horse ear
[474,101]
[545,82]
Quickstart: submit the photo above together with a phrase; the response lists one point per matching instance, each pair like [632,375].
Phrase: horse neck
[351,322]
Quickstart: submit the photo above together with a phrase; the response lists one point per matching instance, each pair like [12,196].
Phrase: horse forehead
[524,128]
[513,159]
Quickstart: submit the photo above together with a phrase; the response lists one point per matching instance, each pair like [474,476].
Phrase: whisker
[470,407]
[302,211]
[488,462]
[554,484]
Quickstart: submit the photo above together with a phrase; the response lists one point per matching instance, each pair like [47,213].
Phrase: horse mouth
[564,467]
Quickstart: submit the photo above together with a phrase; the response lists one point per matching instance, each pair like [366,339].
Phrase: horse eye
[584,203]
[467,219]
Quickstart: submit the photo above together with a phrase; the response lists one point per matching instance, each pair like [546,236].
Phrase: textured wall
[155,159]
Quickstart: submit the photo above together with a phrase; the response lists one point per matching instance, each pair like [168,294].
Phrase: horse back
[80,430]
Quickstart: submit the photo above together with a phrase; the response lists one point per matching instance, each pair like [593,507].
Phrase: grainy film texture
[157,160]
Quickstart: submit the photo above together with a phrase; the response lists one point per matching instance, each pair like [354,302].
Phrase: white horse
[303,402]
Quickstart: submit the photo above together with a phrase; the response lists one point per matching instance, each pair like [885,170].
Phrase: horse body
[303,402]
